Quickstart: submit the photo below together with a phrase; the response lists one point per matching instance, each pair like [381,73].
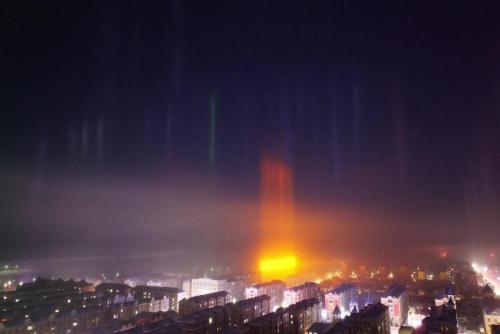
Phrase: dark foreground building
[443,319]
[193,304]
[372,319]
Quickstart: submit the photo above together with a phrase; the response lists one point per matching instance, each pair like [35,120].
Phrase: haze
[135,133]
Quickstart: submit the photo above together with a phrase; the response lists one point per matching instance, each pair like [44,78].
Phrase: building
[319,328]
[51,286]
[373,318]
[236,288]
[193,304]
[186,287]
[249,309]
[114,293]
[488,292]
[205,321]
[303,314]
[419,309]
[170,297]
[341,327]
[274,289]
[113,289]
[236,330]
[203,286]
[208,321]
[397,300]
[491,316]
[344,297]
[298,293]
[268,324]
[445,297]
[295,319]
[170,281]
[442,319]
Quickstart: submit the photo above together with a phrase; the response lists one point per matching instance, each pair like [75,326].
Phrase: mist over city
[347,150]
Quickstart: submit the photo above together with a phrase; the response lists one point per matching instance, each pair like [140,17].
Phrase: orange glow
[277,234]
[280,267]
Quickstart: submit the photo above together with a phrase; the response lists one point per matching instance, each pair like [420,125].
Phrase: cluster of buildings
[373,318]
[230,306]
[53,306]
[378,319]
[57,306]
[251,316]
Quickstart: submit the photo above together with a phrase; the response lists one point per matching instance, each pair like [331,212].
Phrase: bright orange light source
[278,267]
[277,233]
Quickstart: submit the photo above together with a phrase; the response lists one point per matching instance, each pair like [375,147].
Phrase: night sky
[134,128]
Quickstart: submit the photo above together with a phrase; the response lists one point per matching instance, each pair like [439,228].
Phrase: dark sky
[144,122]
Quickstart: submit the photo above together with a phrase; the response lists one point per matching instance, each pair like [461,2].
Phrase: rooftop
[268,283]
[208,295]
[343,288]
[113,285]
[304,303]
[157,289]
[253,300]
[372,310]
[302,286]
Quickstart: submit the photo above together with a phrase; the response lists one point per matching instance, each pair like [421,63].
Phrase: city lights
[487,276]
[244,168]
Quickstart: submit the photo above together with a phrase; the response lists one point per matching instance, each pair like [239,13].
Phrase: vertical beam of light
[277,258]
[335,136]
[399,108]
[99,141]
[213,129]
[84,141]
[356,107]
[168,133]
[73,142]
